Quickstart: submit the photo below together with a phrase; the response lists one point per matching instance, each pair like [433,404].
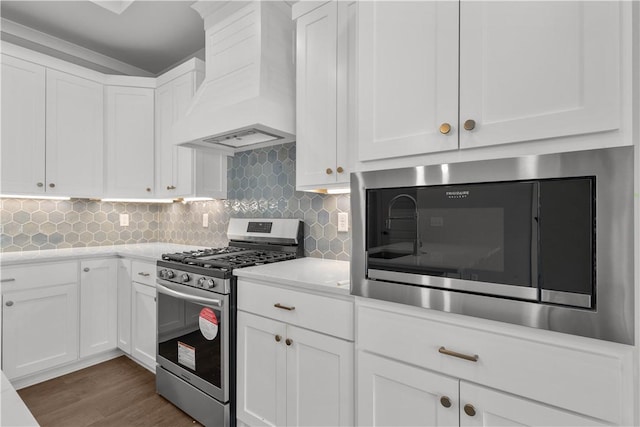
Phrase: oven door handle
[192,298]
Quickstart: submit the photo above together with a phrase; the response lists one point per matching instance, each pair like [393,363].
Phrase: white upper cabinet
[527,71]
[325,97]
[407,77]
[129,141]
[74,135]
[23,127]
[538,69]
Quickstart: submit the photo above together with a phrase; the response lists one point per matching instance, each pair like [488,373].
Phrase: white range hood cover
[247,99]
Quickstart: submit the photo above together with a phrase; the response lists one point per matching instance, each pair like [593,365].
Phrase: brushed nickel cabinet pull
[284,307]
[144,274]
[171,187]
[11,279]
[473,358]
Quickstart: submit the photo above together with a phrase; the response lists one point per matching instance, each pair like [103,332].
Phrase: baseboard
[49,374]
[145,366]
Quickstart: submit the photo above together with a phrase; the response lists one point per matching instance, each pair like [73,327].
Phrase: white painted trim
[49,374]
[115,6]
[305,6]
[31,35]
[130,81]
[193,64]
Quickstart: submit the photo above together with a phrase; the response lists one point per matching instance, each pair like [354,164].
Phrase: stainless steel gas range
[196,307]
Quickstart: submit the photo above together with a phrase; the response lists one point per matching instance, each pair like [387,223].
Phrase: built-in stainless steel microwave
[543,241]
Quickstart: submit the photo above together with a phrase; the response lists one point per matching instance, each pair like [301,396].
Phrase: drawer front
[143,272]
[31,276]
[331,316]
[587,380]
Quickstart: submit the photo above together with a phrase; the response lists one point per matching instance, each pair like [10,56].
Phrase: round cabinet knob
[288,341]
[185,278]
[445,401]
[339,169]
[278,338]
[148,190]
[445,128]
[40,184]
[52,185]
[86,269]
[8,303]
[210,284]
[329,171]
[171,187]
[470,125]
[469,410]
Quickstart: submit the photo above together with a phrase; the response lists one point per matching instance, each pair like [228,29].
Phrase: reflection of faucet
[417,244]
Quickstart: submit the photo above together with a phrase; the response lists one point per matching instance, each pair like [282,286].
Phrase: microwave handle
[191,298]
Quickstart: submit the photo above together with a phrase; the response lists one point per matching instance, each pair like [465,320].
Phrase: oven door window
[477,232]
[191,336]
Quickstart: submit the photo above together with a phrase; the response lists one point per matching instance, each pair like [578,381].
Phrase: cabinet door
[319,379]
[129,141]
[143,321]
[316,102]
[98,306]
[23,127]
[480,406]
[408,77]
[538,69]
[391,393]
[211,175]
[261,371]
[124,305]
[39,329]
[175,164]
[74,133]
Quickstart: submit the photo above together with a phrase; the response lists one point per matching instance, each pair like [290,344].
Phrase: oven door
[480,238]
[193,337]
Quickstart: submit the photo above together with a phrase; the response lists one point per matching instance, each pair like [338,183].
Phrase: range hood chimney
[247,99]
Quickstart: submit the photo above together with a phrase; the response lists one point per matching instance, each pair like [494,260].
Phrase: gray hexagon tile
[261,183]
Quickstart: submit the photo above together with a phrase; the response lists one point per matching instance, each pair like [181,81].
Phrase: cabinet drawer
[331,316]
[586,379]
[143,272]
[38,275]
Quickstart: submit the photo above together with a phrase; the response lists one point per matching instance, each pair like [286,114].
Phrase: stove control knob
[201,282]
[169,274]
[210,284]
[185,278]
[162,273]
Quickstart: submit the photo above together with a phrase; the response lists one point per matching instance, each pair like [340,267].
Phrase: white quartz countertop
[14,411]
[142,251]
[322,275]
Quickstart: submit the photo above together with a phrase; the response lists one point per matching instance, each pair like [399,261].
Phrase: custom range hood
[247,99]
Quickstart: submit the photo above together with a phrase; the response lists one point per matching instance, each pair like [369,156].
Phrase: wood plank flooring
[118,392]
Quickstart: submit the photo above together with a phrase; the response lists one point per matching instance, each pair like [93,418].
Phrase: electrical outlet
[124,220]
[205,220]
[343,221]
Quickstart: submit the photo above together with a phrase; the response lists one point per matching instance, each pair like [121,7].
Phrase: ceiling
[151,36]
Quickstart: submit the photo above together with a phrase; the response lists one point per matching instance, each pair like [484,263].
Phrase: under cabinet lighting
[22,196]
[117,200]
[338,190]
[196,199]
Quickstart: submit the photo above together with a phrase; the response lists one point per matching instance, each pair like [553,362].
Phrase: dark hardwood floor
[115,393]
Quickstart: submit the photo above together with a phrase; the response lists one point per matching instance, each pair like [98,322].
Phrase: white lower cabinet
[291,372]
[40,329]
[124,305]
[98,306]
[143,324]
[292,376]
[419,367]
[391,393]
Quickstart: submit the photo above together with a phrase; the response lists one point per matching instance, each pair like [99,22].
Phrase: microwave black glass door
[190,335]
[477,232]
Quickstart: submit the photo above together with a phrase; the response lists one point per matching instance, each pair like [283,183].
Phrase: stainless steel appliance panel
[612,318]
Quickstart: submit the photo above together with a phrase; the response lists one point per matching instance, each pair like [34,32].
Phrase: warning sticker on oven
[187,355]
[208,323]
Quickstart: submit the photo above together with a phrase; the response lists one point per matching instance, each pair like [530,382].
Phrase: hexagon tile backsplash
[261,183]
